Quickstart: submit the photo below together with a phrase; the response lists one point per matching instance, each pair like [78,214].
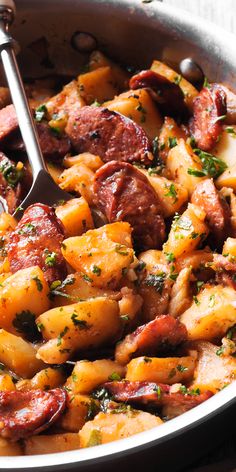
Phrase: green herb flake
[230,130]
[212,165]
[38,283]
[87,278]
[96,270]
[211,301]
[170,256]
[61,335]
[26,229]
[156,280]
[40,113]
[181,368]
[177,79]
[220,351]
[124,317]
[206,83]
[171,192]
[172,142]
[82,324]
[40,327]
[74,377]
[195,299]
[51,258]
[196,173]
[199,285]
[114,376]
[157,390]
[121,249]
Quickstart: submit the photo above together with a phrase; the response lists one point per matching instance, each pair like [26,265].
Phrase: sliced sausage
[160,334]
[167,94]
[8,122]
[123,193]
[218,214]
[10,185]
[37,241]
[25,413]
[154,395]
[53,146]
[108,134]
[209,108]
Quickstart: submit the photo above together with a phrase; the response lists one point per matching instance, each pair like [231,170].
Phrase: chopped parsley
[181,368]
[87,278]
[51,258]
[195,299]
[27,228]
[121,249]
[177,79]
[196,173]
[12,173]
[114,376]
[38,283]
[147,360]
[206,83]
[61,335]
[220,351]
[82,324]
[56,288]
[156,281]
[230,130]
[171,192]
[157,390]
[40,113]
[172,142]
[170,256]
[211,301]
[212,166]
[96,270]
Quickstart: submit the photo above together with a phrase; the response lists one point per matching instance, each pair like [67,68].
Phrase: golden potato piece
[6,383]
[23,296]
[82,325]
[170,133]
[76,216]
[227,179]
[90,160]
[78,178]
[18,355]
[211,314]
[225,149]
[139,107]
[98,59]
[172,196]
[213,372]
[98,84]
[87,376]
[49,444]
[167,370]
[44,380]
[8,448]
[184,166]
[187,231]
[101,254]
[79,410]
[107,427]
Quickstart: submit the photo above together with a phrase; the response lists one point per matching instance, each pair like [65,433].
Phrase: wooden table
[223,13]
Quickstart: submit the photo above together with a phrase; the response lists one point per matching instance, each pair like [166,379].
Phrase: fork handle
[26,123]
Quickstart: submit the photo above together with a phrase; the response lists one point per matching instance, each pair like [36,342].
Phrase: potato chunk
[170,133]
[83,325]
[225,149]
[79,410]
[78,178]
[213,372]
[184,166]
[107,427]
[101,254]
[75,216]
[211,314]
[86,376]
[8,448]
[23,294]
[98,84]
[18,355]
[98,59]
[6,383]
[139,106]
[172,196]
[167,370]
[49,444]
[44,380]
[187,231]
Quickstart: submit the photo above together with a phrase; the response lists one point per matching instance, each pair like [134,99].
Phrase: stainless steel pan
[133,32]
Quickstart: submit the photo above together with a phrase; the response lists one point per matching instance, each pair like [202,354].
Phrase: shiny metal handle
[26,123]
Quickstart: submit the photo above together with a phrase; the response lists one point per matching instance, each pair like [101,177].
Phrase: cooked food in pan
[117,307]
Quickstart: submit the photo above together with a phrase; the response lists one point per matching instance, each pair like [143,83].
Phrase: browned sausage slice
[167,94]
[218,215]
[209,109]
[8,122]
[37,241]
[10,185]
[155,395]
[25,413]
[164,332]
[108,134]
[124,194]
